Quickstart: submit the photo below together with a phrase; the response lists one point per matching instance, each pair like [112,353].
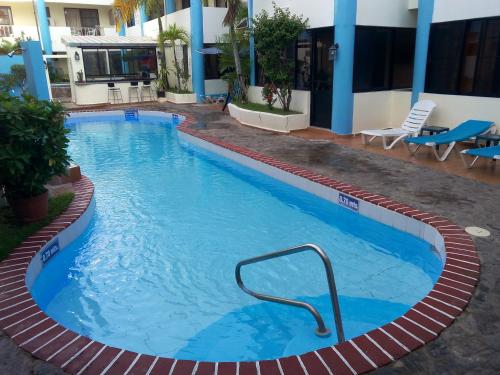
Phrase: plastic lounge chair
[492,152]
[411,126]
[462,132]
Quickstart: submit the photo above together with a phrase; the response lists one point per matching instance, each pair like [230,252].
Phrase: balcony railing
[6,31]
[87,31]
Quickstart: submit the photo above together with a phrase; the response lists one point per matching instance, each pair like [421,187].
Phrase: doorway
[321,78]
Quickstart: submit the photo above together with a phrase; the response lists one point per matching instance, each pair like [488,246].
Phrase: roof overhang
[108,41]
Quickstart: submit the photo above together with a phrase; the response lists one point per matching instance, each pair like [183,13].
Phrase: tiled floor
[486,171]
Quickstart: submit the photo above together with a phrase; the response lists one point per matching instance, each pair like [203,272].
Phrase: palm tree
[124,12]
[172,35]
[233,9]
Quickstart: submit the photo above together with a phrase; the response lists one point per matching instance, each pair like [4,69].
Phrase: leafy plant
[273,37]
[162,79]
[7,46]
[232,18]
[176,35]
[268,92]
[33,144]
[13,80]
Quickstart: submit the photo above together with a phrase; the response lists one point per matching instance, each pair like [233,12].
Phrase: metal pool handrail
[322,330]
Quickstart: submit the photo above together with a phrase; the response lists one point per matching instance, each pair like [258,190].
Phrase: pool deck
[472,343]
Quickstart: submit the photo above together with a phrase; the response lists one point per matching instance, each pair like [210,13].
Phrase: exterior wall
[215,87]
[392,13]
[57,12]
[452,110]
[6,62]
[23,17]
[319,12]
[453,10]
[381,109]
[212,24]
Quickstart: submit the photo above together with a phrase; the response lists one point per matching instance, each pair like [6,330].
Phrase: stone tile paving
[472,343]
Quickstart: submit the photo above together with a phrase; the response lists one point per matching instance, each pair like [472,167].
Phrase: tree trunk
[163,57]
[237,63]
[177,68]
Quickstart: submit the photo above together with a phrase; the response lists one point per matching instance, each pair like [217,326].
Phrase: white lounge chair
[410,128]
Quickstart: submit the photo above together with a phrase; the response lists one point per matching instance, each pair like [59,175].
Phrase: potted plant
[33,149]
[162,82]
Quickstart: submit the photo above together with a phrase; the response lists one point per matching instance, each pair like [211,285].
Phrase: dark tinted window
[464,58]
[211,63]
[303,62]
[383,58]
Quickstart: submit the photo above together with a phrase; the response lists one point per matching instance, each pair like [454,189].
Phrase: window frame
[456,83]
[8,8]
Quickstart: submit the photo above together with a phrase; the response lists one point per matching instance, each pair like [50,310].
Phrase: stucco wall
[301,100]
[58,18]
[452,110]
[452,10]
[319,12]
[381,109]
[393,13]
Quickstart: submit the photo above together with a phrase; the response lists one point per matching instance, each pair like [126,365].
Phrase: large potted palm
[33,149]
[175,37]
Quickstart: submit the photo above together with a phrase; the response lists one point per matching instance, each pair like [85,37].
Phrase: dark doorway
[321,78]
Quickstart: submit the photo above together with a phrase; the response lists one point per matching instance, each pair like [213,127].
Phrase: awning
[209,51]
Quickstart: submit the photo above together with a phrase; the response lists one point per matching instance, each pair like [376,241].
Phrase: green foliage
[33,144]
[176,35]
[274,35]
[227,64]
[13,233]
[57,75]
[14,79]
[7,46]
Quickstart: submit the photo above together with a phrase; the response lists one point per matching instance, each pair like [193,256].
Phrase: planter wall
[180,98]
[269,121]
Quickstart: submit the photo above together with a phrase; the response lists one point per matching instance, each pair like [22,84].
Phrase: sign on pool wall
[348,202]
[51,250]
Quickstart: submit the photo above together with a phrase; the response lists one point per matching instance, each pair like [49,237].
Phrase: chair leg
[396,141]
[445,155]
[466,164]
[412,152]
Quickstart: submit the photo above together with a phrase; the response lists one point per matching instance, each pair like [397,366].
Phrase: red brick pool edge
[32,330]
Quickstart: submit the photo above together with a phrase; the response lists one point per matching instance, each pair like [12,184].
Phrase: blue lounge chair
[462,132]
[492,152]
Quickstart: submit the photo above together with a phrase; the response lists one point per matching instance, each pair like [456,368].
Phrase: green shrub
[33,144]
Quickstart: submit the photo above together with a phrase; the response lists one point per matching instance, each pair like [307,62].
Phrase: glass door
[322,78]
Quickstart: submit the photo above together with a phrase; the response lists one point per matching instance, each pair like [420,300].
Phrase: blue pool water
[154,271]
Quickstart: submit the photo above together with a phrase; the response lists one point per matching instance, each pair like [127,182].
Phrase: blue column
[425,12]
[343,97]
[252,43]
[36,77]
[169,6]
[198,71]
[143,18]
[43,23]
[122,30]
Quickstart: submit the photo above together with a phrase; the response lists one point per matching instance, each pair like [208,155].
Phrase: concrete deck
[472,343]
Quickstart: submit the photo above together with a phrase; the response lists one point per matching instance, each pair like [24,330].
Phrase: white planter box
[180,98]
[269,121]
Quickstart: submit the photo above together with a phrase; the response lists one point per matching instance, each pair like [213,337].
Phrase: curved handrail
[322,330]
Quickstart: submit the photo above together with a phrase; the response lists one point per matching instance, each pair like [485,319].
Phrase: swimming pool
[154,272]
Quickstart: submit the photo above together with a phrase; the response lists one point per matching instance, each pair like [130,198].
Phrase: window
[211,63]
[47,11]
[5,22]
[303,62]
[95,63]
[221,3]
[119,63]
[383,58]
[82,21]
[464,58]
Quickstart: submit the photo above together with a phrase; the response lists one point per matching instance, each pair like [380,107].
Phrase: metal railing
[86,31]
[6,31]
[322,330]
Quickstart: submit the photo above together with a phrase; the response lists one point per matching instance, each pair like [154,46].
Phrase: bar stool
[133,92]
[147,90]
[114,93]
